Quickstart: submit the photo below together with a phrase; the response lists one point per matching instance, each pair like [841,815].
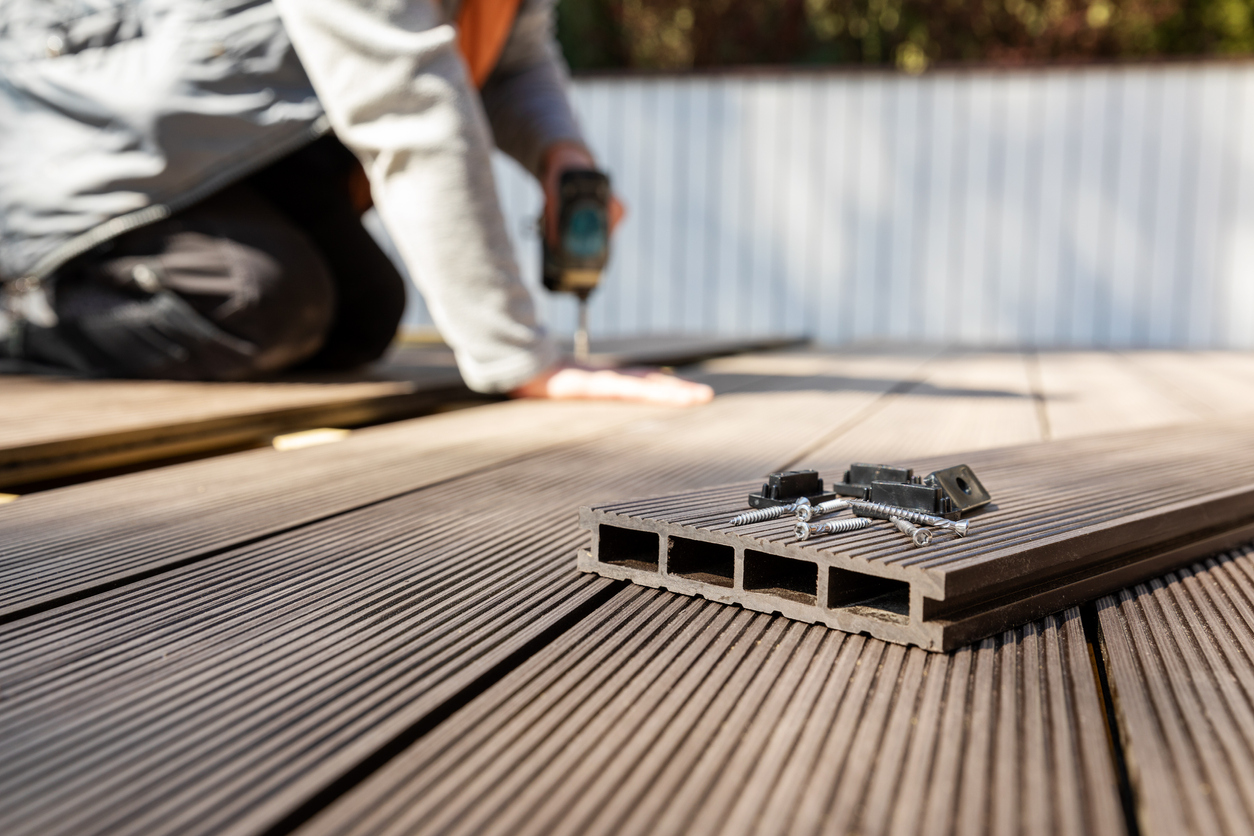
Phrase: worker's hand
[574,382]
[567,156]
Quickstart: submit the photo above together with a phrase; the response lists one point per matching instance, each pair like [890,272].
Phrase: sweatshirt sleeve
[397,93]
[525,96]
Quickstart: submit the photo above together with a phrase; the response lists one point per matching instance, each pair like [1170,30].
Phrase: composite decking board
[57,427]
[1072,519]
[73,540]
[987,402]
[680,349]
[664,715]
[226,693]
[1213,383]
[1179,653]
[1086,389]
[527,737]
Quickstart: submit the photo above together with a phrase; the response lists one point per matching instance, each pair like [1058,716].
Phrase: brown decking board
[1070,520]
[665,715]
[56,427]
[62,543]
[679,349]
[55,545]
[1180,655]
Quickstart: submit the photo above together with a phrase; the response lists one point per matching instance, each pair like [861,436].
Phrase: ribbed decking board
[70,541]
[1180,656]
[227,693]
[55,427]
[1070,520]
[66,542]
[665,715]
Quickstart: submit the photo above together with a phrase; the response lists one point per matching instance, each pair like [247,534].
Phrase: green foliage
[681,34]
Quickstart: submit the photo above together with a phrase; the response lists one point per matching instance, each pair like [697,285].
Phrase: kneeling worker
[181,186]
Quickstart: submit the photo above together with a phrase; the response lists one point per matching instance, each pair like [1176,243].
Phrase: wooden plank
[1178,651]
[68,542]
[680,349]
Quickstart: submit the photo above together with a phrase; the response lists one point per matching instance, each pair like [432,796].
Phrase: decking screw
[806,530]
[883,512]
[921,536]
[773,513]
[808,512]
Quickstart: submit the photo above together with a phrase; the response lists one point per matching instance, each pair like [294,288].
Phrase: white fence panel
[1068,207]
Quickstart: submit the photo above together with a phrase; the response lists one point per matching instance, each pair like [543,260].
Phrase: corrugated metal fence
[1070,207]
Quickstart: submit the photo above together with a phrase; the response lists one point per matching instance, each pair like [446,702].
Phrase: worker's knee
[281,301]
[226,291]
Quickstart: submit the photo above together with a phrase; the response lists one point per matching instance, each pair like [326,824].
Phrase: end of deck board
[1071,522]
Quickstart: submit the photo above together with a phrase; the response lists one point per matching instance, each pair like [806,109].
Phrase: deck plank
[1216,383]
[67,542]
[670,715]
[1090,392]
[985,400]
[58,427]
[1179,651]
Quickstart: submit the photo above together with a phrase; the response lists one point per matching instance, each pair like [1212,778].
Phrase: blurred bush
[682,34]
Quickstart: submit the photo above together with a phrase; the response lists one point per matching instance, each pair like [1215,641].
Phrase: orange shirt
[482,28]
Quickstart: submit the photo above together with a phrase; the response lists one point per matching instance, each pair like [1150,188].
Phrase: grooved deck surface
[666,715]
[388,634]
[59,426]
[1180,651]
[55,427]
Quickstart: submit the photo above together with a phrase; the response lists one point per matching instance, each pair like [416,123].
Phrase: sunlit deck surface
[387,634]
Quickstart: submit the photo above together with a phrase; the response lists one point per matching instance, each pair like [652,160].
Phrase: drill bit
[581,333]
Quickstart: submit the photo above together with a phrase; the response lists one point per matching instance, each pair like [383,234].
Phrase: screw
[806,530]
[883,512]
[808,512]
[773,513]
[920,536]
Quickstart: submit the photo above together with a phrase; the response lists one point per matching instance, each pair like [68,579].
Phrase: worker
[182,182]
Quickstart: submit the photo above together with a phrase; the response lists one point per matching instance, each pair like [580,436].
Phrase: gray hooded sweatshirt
[115,114]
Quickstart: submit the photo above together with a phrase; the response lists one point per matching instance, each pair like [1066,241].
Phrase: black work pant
[272,273]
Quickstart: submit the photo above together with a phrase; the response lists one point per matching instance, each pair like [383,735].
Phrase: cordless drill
[575,263]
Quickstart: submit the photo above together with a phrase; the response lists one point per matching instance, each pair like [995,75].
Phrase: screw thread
[806,530]
[881,511]
[773,513]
